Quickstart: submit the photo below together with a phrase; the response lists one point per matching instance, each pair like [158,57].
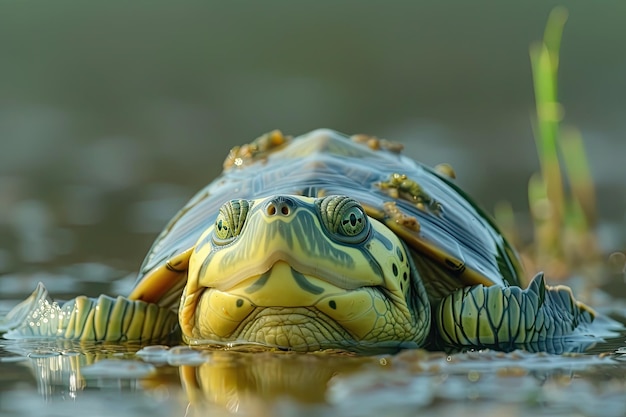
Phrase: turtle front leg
[88,319]
[538,318]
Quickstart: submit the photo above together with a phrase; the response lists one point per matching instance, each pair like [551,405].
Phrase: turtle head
[302,273]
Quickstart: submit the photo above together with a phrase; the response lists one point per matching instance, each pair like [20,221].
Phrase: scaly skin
[89,319]
[537,318]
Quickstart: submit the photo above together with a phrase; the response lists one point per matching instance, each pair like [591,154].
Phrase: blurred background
[113,114]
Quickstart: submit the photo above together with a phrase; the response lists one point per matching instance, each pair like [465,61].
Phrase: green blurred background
[112,114]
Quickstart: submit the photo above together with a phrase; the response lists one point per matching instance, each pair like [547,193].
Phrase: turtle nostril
[281,206]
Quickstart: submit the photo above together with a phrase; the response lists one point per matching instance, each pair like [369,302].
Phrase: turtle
[324,241]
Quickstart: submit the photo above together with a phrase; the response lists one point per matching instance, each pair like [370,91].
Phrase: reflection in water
[185,381]
[239,381]
[62,368]
[206,379]
[58,376]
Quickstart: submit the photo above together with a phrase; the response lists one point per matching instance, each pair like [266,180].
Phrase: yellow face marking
[296,254]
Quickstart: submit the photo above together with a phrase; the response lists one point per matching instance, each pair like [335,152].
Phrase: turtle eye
[222,227]
[344,218]
[352,221]
[230,220]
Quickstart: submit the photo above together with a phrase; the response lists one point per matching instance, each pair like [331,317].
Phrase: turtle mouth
[305,283]
[300,271]
[284,307]
[282,285]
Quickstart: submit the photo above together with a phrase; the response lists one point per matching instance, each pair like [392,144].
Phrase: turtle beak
[283,229]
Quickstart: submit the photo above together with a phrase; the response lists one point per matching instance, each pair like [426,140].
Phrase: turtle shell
[454,243]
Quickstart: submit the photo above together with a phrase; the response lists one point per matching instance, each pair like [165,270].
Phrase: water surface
[71,379]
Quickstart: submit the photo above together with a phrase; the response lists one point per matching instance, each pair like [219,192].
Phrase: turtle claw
[538,286]
[21,312]
[38,316]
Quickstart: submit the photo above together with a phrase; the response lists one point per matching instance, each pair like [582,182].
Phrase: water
[70,379]
[112,116]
